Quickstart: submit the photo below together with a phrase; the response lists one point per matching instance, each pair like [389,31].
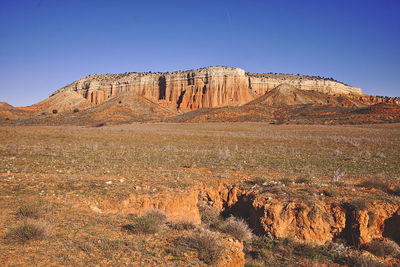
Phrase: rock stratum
[141,97]
[201,88]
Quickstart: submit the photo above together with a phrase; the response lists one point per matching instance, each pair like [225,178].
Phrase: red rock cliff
[201,88]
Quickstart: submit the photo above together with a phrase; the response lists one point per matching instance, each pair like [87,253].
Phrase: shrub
[150,223]
[100,124]
[28,230]
[237,228]
[381,248]
[286,181]
[55,111]
[209,215]
[330,192]
[29,211]
[76,110]
[358,204]
[209,249]
[7,119]
[183,225]
[303,180]
[374,184]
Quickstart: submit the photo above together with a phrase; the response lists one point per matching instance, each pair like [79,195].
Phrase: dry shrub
[29,211]
[209,215]
[303,180]
[28,230]
[381,248]
[183,225]
[374,184]
[237,228]
[330,192]
[150,223]
[208,247]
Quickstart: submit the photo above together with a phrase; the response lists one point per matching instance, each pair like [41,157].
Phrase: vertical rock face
[184,90]
[201,88]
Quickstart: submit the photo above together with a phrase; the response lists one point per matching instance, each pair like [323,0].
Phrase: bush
[183,225]
[374,184]
[76,110]
[209,249]
[55,111]
[29,211]
[358,205]
[237,228]
[209,215]
[150,223]
[303,180]
[381,248]
[330,192]
[28,230]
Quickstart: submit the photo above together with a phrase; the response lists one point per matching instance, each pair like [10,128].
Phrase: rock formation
[201,88]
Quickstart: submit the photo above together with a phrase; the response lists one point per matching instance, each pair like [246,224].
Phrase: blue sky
[46,44]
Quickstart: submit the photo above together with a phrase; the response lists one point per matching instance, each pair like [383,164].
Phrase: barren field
[311,194]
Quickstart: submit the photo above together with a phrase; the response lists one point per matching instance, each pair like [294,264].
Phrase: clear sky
[46,44]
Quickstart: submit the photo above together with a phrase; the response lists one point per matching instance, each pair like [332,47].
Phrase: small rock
[109,182]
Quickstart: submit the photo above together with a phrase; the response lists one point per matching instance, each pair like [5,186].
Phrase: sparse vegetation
[237,228]
[205,243]
[209,215]
[86,175]
[150,223]
[76,110]
[374,184]
[30,210]
[28,230]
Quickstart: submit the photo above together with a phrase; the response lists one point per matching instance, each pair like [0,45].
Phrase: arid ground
[78,195]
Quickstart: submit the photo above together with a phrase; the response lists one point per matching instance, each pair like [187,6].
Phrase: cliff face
[202,88]
[262,83]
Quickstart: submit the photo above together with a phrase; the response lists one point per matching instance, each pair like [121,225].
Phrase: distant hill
[212,93]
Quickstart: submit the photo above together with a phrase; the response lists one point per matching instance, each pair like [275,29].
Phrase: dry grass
[70,167]
[30,210]
[27,230]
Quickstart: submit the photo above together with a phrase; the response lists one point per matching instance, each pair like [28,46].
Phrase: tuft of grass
[28,230]
[237,228]
[150,223]
[208,247]
[29,211]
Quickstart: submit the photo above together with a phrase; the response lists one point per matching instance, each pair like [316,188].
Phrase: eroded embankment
[317,221]
[277,214]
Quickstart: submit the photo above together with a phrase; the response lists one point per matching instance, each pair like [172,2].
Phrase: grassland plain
[79,182]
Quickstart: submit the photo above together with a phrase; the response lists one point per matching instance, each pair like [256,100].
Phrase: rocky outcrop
[201,88]
[316,222]
[261,83]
